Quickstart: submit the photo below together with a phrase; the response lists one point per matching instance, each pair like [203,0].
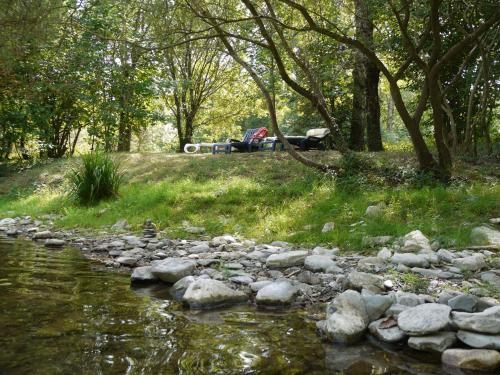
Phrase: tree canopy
[119,75]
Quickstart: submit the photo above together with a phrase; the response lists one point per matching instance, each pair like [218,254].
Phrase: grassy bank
[267,197]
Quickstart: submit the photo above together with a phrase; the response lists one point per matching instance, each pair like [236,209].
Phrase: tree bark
[373,133]
[358,118]
[366,106]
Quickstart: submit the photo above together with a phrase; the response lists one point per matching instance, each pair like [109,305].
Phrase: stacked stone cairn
[149,229]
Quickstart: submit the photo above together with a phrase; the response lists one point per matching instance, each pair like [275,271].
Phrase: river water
[62,314]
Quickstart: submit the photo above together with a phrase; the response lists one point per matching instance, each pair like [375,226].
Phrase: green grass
[263,196]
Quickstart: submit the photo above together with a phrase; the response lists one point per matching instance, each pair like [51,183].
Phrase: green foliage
[263,196]
[97,178]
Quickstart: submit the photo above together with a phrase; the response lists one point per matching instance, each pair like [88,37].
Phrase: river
[62,314]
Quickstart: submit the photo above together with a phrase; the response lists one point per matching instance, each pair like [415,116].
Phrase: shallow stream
[62,314]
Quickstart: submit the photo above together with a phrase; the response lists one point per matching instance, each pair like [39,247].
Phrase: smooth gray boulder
[384,254]
[318,263]
[478,340]
[8,221]
[409,299]
[415,241]
[487,321]
[43,235]
[258,285]
[376,305]
[127,260]
[485,236]
[464,302]
[288,259]
[208,293]
[446,255]
[472,359]
[410,260]
[347,318]
[54,242]
[491,278]
[359,280]
[143,275]
[172,270]
[277,293]
[202,247]
[328,227]
[241,279]
[391,334]
[424,319]
[437,342]
[471,263]
[395,310]
[179,288]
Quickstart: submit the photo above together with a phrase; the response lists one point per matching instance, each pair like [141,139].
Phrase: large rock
[288,259]
[349,302]
[487,321]
[208,293]
[386,332]
[7,221]
[54,242]
[172,270]
[491,278]
[278,293]
[202,247]
[424,319]
[437,342]
[43,235]
[409,299]
[328,227]
[415,241]
[464,302]
[127,260]
[446,255]
[349,320]
[143,275]
[410,260]
[258,285]
[485,236]
[473,359]
[472,263]
[375,211]
[318,263]
[376,305]
[359,280]
[479,341]
[179,288]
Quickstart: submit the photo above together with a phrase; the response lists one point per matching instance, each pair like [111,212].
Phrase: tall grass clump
[98,177]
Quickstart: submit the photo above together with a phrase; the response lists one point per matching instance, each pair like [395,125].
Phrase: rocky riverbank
[410,291]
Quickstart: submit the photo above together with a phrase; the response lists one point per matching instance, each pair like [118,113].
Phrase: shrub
[98,177]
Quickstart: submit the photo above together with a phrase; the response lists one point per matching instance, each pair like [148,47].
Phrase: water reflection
[61,315]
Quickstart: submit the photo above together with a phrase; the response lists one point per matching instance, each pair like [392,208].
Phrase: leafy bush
[98,177]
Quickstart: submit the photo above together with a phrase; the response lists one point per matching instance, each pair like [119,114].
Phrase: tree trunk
[366,105]
[358,119]
[374,136]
